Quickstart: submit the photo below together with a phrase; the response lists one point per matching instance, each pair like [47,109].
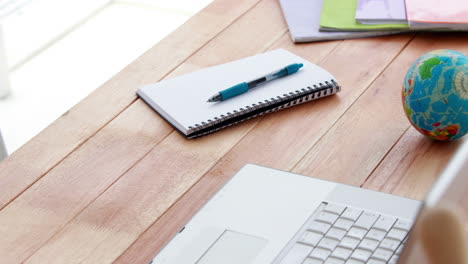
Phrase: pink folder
[438,12]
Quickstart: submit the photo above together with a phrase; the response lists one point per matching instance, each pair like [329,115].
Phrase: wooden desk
[111,181]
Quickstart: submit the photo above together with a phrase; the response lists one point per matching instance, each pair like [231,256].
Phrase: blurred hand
[438,238]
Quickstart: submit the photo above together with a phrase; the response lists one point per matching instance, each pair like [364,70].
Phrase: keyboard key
[375,261]
[393,260]
[344,224]
[384,223]
[368,244]
[326,217]
[332,260]
[310,238]
[366,220]
[390,244]
[319,227]
[382,254]
[341,253]
[334,208]
[335,233]
[320,253]
[403,224]
[397,234]
[328,243]
[357,232]
[376,234]
[296,254]
[349,242]
[361,254]
[351,213]
[312,261]
[354,261]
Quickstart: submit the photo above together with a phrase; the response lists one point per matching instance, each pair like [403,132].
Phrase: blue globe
[435,94]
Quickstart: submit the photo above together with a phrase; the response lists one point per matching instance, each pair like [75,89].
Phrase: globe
[435,95]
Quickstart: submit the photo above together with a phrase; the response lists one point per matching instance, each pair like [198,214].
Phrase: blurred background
[56,52]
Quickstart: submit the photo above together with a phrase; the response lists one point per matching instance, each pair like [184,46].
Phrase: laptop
[263,215]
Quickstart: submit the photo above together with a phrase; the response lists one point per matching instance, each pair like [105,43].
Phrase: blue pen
[245,86]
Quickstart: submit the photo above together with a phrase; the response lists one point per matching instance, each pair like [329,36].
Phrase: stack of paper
[303,19]
[314,20]
[339,15]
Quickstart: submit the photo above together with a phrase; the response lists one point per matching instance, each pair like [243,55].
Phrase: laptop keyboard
[337,234]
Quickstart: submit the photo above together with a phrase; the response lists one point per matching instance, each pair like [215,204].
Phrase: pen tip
[215,98]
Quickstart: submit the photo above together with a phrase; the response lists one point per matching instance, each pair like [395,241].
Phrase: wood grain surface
[26,165]
[110,181]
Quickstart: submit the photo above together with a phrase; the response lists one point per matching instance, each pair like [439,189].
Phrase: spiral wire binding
[268,106]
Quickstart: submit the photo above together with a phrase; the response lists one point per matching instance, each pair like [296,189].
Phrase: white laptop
[264,215]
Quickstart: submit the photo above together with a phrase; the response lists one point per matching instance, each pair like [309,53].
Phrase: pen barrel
[234,91]
[269,77]
[244,87]
[288,70]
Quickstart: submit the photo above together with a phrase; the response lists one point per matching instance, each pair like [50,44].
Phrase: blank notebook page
[183,100]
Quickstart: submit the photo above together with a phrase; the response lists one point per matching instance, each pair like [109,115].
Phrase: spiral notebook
[182,101]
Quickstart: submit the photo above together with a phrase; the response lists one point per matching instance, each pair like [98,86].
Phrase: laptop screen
[443,216]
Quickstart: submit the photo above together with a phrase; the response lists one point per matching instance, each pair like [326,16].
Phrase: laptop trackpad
[233,248]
